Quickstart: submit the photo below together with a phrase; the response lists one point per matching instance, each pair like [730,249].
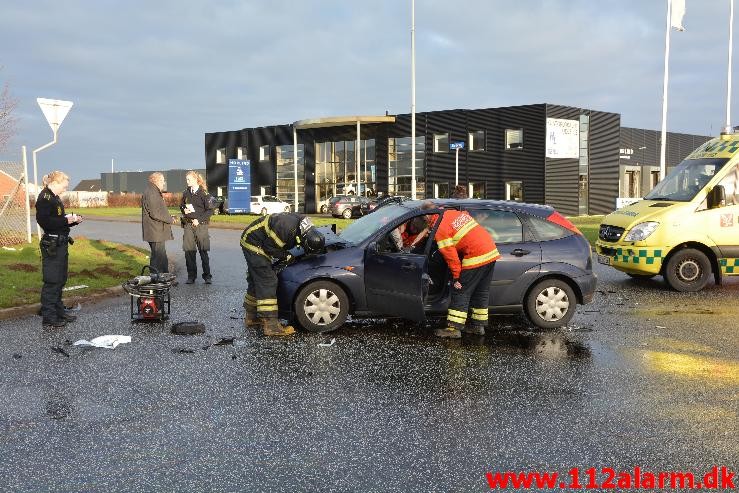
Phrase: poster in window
[563,139]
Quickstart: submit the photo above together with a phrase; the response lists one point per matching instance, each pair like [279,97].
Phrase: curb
[22,311]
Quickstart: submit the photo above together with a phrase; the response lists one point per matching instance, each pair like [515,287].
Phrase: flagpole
[663,143]
[728,128]
[413,99]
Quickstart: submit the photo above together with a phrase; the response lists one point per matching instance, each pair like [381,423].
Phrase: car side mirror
[372,248]
[716,197]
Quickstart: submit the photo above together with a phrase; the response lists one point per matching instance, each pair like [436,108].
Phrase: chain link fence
[13,223]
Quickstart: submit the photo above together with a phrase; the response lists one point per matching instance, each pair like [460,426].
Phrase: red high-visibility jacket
[464,243]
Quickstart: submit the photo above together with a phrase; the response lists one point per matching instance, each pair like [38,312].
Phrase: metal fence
[13,204]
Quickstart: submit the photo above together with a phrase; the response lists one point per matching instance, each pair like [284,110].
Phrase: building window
[584,131]
[399,166]
[514,138]
[477,140]
[241,153]
[264,153]
[441,143]
[476,190]
[514,191]
[221,155]
[441,190]
[286,175]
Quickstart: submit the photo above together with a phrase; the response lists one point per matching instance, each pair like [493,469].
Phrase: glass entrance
[336,170]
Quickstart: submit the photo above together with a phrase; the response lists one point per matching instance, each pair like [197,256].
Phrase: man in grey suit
[156,222]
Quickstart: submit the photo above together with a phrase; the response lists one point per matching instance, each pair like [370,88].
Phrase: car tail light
[560,220]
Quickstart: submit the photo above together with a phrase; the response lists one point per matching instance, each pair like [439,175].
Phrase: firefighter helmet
[312,241]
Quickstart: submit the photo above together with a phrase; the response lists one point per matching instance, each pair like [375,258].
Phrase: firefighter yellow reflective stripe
[466,262]
[272,234]
[267,305]
[253,248]
[250,300]
[445,243]
[479,314]
[456,316]
[257,226]
[464,230]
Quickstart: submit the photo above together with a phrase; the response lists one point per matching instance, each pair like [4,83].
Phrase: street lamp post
[55,111]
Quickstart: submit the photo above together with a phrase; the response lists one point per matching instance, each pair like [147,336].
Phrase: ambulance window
[503,226]
[731,186]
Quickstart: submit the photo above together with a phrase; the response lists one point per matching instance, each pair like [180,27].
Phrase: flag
[677,12]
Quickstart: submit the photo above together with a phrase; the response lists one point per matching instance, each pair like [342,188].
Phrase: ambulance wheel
[321,306]
[551,303]
[640,276]
[688,270]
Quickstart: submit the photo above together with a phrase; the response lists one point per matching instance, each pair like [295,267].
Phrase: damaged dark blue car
[545,268]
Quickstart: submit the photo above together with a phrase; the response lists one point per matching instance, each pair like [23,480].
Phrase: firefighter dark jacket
[50,214]
[200,202]
[273,235]
[464,243]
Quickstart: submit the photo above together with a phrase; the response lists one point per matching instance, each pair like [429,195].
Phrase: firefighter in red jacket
[470,253]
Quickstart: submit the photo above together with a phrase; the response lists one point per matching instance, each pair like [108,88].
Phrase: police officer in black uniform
[50,215]
[264,240]
[196,208]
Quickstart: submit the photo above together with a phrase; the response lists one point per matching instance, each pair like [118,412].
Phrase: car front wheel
[264,211]
[324,209]
[688,270]
[551,303]
[287,208]
[321,306]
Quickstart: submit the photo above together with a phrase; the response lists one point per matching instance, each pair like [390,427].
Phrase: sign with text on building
[239,186]
[456,145]
[563,139]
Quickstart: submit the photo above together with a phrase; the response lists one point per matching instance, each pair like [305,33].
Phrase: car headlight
[641,231]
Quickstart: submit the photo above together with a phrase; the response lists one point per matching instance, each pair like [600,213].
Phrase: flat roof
[340,121]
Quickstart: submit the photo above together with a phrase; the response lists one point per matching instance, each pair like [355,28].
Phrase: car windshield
[366,226]
[687,179]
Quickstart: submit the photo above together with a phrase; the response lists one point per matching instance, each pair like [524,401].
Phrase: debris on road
[107,341]
[324,344]
[60,350]
[188,328]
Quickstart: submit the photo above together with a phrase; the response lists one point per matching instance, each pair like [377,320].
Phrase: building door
[632,184]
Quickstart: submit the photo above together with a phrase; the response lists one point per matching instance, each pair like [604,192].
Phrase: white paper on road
[106,342]
[323,344]
[72,288]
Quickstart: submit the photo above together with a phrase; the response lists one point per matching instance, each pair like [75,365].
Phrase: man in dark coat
[156,222]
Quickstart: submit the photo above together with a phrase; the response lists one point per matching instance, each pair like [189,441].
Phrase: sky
[149,79]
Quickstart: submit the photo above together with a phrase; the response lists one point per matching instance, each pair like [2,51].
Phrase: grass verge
[589,225]
[98,264]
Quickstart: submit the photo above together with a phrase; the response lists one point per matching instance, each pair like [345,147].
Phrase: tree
[7,121]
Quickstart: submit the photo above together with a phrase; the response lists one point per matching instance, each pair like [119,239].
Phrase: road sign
[239,186]
[54,110]
[456,145]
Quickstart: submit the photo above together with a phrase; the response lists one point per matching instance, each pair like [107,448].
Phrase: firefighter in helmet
[263,242]
[470,254]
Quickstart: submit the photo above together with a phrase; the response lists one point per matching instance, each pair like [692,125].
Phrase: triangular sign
[54,110]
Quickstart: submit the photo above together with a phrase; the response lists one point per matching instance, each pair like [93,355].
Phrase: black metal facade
[545,180]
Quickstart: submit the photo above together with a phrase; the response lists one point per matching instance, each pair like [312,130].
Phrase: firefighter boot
[448,333]
[250,318]
[475,329]
[273,327]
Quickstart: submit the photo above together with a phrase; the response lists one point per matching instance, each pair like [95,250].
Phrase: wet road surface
[644,377]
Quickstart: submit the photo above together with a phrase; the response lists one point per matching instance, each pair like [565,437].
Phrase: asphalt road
[643,377]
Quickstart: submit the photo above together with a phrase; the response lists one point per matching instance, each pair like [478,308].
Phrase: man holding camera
[54,243]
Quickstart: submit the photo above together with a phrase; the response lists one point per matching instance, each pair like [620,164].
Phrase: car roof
[533,209]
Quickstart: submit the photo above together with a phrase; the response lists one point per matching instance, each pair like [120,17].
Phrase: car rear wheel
[287,208]
[321,306]
[347,214]
[324,209]
[264,211]
[688,270]
[551,303]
